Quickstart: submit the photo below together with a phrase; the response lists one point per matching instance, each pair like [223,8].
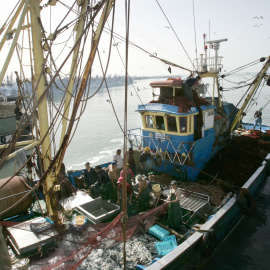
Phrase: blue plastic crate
[159,232]
[170,237]
[165,247]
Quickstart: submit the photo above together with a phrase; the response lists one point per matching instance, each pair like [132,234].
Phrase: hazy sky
[248,37]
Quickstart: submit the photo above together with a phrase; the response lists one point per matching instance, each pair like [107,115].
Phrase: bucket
[157,190]
[80,220]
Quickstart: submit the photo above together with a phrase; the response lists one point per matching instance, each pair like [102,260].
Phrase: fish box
[25,241]
[98,210]
[159,232]
[165,247]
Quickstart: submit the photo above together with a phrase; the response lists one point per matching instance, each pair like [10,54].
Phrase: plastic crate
[159,232]
[170,237]
[165,247]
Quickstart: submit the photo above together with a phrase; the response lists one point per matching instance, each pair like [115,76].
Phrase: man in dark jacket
[103,184]
[188,92]
[145,161]
[90,176]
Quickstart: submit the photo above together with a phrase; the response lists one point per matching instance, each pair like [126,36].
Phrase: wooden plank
[178,235]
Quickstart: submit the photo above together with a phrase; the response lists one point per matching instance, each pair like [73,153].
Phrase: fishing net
[73,247]
[236,162]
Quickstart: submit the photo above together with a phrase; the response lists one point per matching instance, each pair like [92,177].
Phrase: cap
[114,162]
[173,182]
[120,179]
[260,108]
[87,163]
[146,149]
[139,177]
[98,168]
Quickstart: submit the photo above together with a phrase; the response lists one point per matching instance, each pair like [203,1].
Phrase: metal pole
[14,42]
[42,107]
[11,24]
[74,65]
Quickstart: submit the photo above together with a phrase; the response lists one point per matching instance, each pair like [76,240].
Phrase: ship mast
[211,66]
[39,64]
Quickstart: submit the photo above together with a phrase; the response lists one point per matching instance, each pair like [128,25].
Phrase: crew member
[90,176]
[131,160]
[102,185]
[118,158]
[129,173]
[143,194]
[113,177]
[174,213]
[258,118]
[188,92]
[145,161]
[129,195]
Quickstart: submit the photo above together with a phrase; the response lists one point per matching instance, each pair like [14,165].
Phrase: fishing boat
[187,139]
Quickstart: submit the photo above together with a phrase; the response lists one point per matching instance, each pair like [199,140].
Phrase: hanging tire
[246,202]
[208,243]
[3,139]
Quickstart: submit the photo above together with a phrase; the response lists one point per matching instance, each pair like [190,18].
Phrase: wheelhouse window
[183,124]
[160,122]
[149,121]
[172,124]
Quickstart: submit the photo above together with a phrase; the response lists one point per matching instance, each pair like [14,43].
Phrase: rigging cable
[176,35]
[242,67]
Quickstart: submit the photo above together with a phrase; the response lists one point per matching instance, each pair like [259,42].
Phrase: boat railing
[208,64]
[176,152]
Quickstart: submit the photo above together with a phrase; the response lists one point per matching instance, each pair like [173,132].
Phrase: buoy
[208,242]
[9,190]
[246,202]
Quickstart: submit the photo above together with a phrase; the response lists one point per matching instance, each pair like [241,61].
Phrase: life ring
[3,139]
[208,242]
[246,201]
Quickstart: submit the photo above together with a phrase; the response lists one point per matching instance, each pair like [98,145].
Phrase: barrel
[8,190]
